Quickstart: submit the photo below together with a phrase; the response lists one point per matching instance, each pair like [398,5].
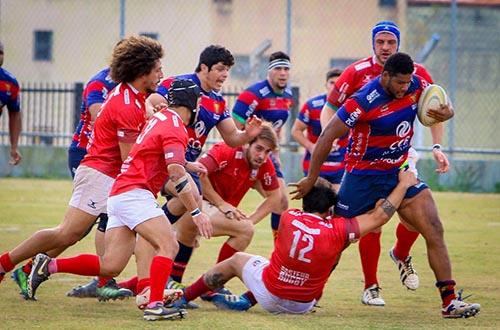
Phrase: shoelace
[460,298]
[375,292]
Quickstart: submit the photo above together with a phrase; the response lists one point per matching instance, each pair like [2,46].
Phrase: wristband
[436,146]
[195,212]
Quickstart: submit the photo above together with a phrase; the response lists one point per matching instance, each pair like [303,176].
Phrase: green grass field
[472,224]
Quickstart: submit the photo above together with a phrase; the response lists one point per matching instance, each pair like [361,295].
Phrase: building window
[43,46]
[152,35]
[387,3]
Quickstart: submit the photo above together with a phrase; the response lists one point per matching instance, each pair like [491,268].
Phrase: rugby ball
[431,98]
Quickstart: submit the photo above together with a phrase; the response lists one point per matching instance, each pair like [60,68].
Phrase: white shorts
[252,277]
[132,208]
[90,190]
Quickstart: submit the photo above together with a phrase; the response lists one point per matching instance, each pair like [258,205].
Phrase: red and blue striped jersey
[96,90]
[310,115]
[381,127]
[212,112]
[260,100]
[9,92]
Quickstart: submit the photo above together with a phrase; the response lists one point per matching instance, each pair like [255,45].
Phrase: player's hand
[196,167]
[302,187]
[15,157]
[231,212]
[253,127]
[443,165]
[202,221]
[335,145]
[407,178]
[444,113]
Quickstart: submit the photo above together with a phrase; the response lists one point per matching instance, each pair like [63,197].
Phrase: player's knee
[167,247]
[246,230]
[68,237]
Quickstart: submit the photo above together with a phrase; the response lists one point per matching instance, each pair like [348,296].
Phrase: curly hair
[134,57]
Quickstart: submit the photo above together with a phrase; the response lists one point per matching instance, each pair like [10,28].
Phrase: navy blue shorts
[75,156]
[358,194]
[277,165]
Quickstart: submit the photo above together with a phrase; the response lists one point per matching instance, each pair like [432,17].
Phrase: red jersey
[305,252]
[120,119]
[358,74]
[162,142]
[231,175]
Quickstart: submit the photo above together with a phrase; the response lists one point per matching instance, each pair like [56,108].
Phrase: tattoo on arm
[388,208]
[215,280]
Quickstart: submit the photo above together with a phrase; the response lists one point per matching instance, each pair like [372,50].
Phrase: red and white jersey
[162,142]
[120,119]
[358,74]
[231,175]
[305,252]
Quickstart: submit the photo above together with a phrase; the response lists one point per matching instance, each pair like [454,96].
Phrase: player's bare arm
[298,130]
[437,132]
[326,114]
[237,136]
[196,167]
[125,149]
[15,126]
[213,197]
[334,130]
[386,208]
[178,175]
[269,204]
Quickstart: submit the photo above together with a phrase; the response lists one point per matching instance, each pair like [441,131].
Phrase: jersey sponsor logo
[256,263]
[353,117]
[199,128]
[304,228]
[238,155]
[293,277]
[216,117]
[362,65]
[403,129]
[264,91]
[306,116]
[253,174]
[388,160]
[175,121]
[372,96]
[91,204]
[223,164]
[278,123]
[251,108]
[318,103]
[104,92]
[126,97]
[342,206]
[267,179]
[120,133]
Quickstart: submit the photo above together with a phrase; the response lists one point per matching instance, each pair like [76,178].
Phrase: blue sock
[275,221]
[180,262]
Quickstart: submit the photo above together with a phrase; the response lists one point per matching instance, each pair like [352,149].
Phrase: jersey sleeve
[346,230]
[96,92]
[422,72]
[129,122]
[304,114]
[216,158]
[174,148]
[268,177]
[14,102]
[351,112]
[245,106]
[343,88]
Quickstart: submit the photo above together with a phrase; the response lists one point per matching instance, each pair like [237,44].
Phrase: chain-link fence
[68,41]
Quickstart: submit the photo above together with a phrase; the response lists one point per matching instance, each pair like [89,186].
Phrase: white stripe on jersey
[362,65]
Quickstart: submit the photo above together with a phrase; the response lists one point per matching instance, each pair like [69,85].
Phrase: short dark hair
[214,54]
[319,199]
[134,57]
[278,55]
[399,63]
[333,72]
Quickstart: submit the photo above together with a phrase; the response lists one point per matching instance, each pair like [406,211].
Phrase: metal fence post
[77,102]
[292,145]
[453,73]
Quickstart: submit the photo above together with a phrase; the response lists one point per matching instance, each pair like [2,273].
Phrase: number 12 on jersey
[304,234]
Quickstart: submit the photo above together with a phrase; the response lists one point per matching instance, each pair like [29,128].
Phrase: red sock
[83,264]
[130,284]
[404,241]
[196,289]
[447,291]
[159,271]
[142,284]
[226,252]
[27,266]
[6,264]
[102,280]
[369,251]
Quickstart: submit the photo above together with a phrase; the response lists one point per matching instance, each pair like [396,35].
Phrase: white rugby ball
[432,97]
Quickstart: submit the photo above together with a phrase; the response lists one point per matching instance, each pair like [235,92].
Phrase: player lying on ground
[307,248]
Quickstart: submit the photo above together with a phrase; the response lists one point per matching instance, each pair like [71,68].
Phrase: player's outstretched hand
[444,113]
[253,127]
[196,167]
[15,157]
[407,178]
[301,188]
[202,221]
[231,212]
[443,165]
